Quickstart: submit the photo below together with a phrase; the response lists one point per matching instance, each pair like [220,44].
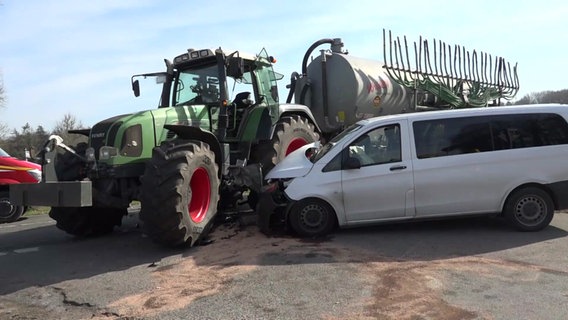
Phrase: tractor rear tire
[291,132]
[180,192]
[87,221]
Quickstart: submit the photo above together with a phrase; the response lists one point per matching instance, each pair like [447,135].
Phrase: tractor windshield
[197,86]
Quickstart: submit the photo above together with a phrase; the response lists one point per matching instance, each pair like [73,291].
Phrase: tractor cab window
[197,86]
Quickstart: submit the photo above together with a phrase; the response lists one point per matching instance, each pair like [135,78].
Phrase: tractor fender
[298,109]
[195,133]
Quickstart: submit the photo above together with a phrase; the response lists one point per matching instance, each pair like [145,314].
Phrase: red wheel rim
[200,195]
[295,144]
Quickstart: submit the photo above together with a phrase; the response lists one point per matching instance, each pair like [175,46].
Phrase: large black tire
[8,211]
[529,209]
[312,218]
[290,133]
[87,221]
[180,192]
[82,221]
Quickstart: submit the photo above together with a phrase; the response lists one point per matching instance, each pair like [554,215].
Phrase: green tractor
[203,151]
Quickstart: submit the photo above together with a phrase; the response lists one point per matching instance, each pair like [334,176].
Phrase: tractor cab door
[265,84]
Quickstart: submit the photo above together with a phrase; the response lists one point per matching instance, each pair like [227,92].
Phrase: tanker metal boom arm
[458,77]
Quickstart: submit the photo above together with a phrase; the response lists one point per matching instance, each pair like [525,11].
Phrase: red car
[14,171]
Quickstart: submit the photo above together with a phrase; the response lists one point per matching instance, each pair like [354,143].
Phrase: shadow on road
[45,255]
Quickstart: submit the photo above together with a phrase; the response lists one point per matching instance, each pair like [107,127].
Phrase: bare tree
[4,130]
[62,127]
[3,127]
[560,96]
[2,93]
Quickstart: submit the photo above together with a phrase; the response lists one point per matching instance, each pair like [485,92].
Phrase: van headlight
[35,173]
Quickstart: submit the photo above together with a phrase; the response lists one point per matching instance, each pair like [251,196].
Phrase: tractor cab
[224,88]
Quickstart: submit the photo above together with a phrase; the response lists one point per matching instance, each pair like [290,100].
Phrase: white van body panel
[468,183]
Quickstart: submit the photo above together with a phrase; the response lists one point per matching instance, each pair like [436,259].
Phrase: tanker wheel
[8,211]
[87,221]
[180,191]
[290,133]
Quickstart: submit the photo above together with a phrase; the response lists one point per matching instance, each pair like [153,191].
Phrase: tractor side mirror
[236,67]
[136,88]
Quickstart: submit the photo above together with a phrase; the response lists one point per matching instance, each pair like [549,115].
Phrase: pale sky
[77,57]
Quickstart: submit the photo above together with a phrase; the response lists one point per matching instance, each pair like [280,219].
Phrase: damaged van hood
[296,164]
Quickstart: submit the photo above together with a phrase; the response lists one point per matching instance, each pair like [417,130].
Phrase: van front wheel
[312,218]
[529,209]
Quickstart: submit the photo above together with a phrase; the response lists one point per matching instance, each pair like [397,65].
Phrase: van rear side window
[453,136]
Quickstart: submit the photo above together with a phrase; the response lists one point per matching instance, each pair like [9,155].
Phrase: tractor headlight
[36,174]
[90,154]
[107,152]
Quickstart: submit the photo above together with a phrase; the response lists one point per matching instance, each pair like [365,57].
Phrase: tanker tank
[341,89]
[357,89]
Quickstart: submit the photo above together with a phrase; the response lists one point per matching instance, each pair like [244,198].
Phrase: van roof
[425,115]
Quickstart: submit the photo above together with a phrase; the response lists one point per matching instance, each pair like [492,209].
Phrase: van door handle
[397,168]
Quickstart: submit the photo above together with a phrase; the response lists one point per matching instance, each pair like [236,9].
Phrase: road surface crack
[70,302]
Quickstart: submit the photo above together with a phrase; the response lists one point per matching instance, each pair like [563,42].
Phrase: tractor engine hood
[296,164]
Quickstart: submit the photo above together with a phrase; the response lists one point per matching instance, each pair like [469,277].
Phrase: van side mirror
[352,163]
[236,67]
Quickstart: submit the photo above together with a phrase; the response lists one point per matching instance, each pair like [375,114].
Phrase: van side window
[445,137]
[529,130]
[381,145]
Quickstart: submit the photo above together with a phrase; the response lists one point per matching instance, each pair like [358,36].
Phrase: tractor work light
[90,154]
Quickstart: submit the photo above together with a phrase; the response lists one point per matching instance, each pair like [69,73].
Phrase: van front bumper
[272,208]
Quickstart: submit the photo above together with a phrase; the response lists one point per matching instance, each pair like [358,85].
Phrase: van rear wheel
[529,209]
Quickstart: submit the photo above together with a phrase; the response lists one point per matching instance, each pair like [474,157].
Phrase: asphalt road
[463,269]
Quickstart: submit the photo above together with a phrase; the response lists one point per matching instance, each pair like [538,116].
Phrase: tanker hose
[292,86]
[309,52]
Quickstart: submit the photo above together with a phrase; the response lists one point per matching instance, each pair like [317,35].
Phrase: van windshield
[328,146]
[3,153]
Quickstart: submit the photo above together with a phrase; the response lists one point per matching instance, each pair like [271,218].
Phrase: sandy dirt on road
[398,289]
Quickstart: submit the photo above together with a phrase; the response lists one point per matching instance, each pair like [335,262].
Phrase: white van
[512,161]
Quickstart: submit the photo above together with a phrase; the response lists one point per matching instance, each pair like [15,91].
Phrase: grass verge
[35,211]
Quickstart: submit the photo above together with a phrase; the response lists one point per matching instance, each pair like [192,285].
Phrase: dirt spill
[397,289]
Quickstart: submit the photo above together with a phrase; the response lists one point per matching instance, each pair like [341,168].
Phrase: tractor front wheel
[87,221]
[180,191]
